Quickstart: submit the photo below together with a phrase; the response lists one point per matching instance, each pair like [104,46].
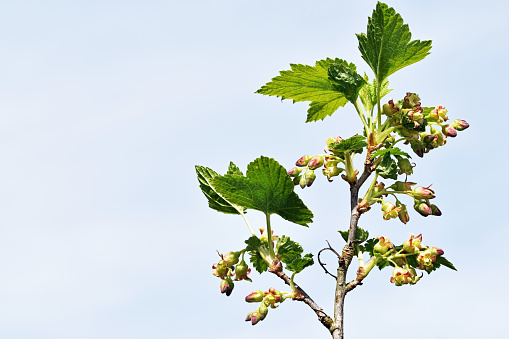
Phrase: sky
[107,106]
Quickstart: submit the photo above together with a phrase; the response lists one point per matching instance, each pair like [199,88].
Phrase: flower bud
[416,114]
[401,186]
[401,276]
[460,125]
[302,181]
[294,172]
[417,147]
[413,244]
[405,166]
[310,177]
[220,269]
[435,211]
[296,180]
[439,114]
[391,108]
[241,271]
[422,193]
[315,162]
[422,208]
[436,251]
[378,189]
[263,311]
[409,134]
[411,100]
[256,296]
[449,131]
[303,161]
[389,210]
[403,213]
[231,258]
[254,317]
[429,140]
[401,261]
[383,245]
[226,286]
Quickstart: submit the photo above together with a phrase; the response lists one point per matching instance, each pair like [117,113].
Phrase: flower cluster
[225,269]
[411,121]
[266,299]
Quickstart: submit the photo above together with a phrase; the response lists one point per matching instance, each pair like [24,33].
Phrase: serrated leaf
[387,169]
[444,262]
[393,151]
[412,261]
[344,235]
[345,80]
[288,249]
[258,263]
[266,187]
[233,169]
[382,264]
[253,243]
[361,235]
[387,47]
[367,94]
[369,245]
[308,83]
[352,144]
[216,202]
[298,264]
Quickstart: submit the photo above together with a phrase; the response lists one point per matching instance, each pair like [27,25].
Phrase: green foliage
[346,80]
[444,262]
[308,83]
[352,144]
[233,169]
[216,202]
[393,151]
[369,245]
[361,235]
[387,169]
[367,94]
[410,125]
[387,47]
[267,188]
[290,252]
[253,243]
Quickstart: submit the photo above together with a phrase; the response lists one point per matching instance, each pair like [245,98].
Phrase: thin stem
[245,219]
[292,284]
[370,189]
[269,237]
[361,115]
[379,115]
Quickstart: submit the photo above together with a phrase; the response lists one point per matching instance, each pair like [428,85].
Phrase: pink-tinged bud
[403,213]
[413,244]
[426,260]
[310,177]
[460,125]
[220,269]
[255,297]
[241,271]
[405,166]
[400,276]
[389,210]
[303,161]
[411,100]
[422,208]
[254,317]
[422,193]
[417,147]
[226,286]
[315,162]
[263,311]
[435,211]
[231,258]
[391,108]
[436,251]
[439,114]
[302,181]
[449,131]
[294,172]
[296,180]
[383,245]
[416,114]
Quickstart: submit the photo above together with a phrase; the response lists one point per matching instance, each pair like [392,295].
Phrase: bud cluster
[225,269]
[410,120]
[266,299]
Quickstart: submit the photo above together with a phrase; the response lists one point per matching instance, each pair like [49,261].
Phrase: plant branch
[301,295]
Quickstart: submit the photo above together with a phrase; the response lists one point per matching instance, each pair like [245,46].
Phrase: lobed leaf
[308,83]
[393,151]
[387,169]
[367,93]
[352,144]
[346,80]
[386,47]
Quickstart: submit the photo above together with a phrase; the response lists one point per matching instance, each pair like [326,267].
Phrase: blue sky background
[106,107]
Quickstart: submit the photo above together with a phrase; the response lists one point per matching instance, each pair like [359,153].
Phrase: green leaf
[444,262]
[346,80]
[367,94]
[253,243]
[361,235]
[233,169]
[382,264]
[267,188]
[258,263]
[290,252]
[393,151]
[369,245]
[353,144]
[216,202]
[410,125]
[387,47]
[298,264]
[387,169]
[344,235]
[308,83]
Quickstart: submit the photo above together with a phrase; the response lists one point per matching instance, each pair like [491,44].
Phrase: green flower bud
[403,212]
[405,166]
[226,286]
[263,311]
[422,193]
[315,162]
[383,245]
[231,258]
[294,172]
[449,131]
[435,211]
[389,211]
[302,181]
[241,271]
[310,177]
[460,125]
[303,161]
[411,100]
[296,180]
[256,296]
[422,208]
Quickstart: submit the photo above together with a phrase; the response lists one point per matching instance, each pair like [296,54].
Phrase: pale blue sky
[106,107]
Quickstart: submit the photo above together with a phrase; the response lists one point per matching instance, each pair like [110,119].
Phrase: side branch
[303,296]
